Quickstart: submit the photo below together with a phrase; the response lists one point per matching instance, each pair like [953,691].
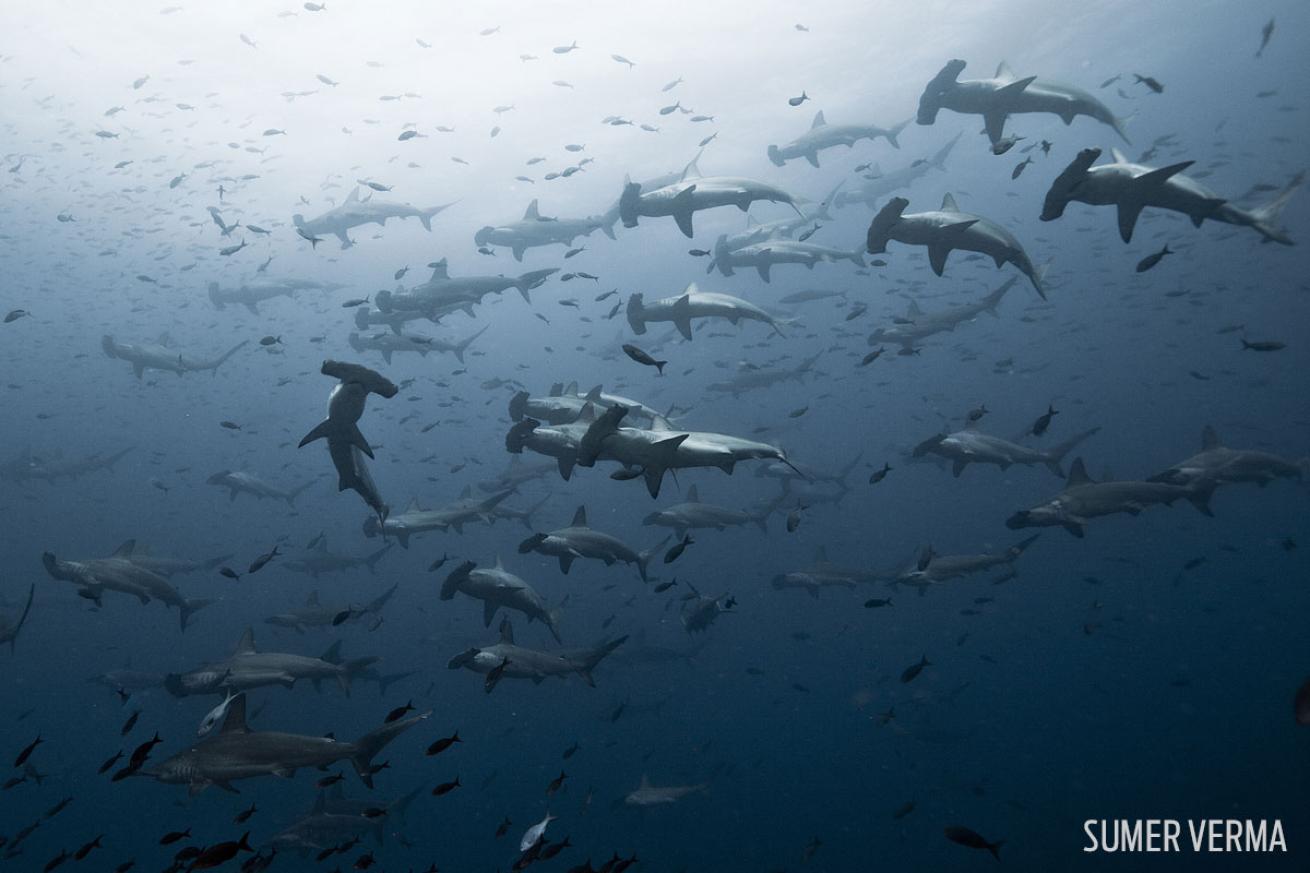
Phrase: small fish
[557,783]
[229,425]
[797,101]
[678,548]
[565,49]
[215,715]
[259,563]
[809,233]
[794,518]
[109,763]
[1266,33]
[1043,421]
[87,848]
[16,314]
[871,357]
[1149,82]
[1150,261]
[972,839]
[174,836]
[407,135]
[877,602]
[675,83]
[1263,346]
[878,475]
[622,60]
[399,712]
[328,781]
[130,723]
[355,301]
[667,110]
[27,752]
[643,358]
[1004,144]
[446,787]
[442,744]
[534,834]
[1018,170]
[232,250]
[245,814]
[438,563]
[978,412]
[912,671]
[229,573]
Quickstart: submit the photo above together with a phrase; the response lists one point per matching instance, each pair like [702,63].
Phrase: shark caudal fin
[425,215]
[596,655]
[643,558]
[461,347]
[296,492]
[1265,218]
[374,741]
[1199,496]
[1055,457]
[891,135]
[222,359]
[532,279]
[189,608]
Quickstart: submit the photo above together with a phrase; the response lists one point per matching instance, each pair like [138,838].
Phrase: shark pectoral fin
[1128,213]
[518,252]
[1132,507]
[994,123]
[226,786]
[813,158]
[284,772]
[586,677]
[682,210]
[254,310]
[196,786]
[1075,527]
[357,440]
[565,562]
[320,431]
[537,679]
[386,355]
[763,270]
[488,612]
[958,467]
[138,369]
[937,254]
[682,315]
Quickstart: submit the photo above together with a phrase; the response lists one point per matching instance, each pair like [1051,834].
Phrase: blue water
[1104,680]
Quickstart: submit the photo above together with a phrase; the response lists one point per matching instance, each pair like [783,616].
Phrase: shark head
[372,527]
[637,313]
[483,236]
[298,220]
[880,228]
[628,201]
[519,434]
[775,156]
[931,100]
[1066,184]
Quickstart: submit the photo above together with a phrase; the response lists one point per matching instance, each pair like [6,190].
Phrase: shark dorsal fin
[821,555]
[353,196]
[557,389]
[593,396]
[588,412]
[660,423]
[691,288]
[1118,156]
[467,492]
[506,632]
[693,496]
[312,599]
[692,170]
[1209,439]
[914,309]
[246,645]
[498,565]
[235,723]
[948,204]
[531,213]
[580,517]
[571,388]
[440,269]
[1003,71]
[125,550]
[1078,473]
[751,221]
[645,781]
[818,120]
[321,545]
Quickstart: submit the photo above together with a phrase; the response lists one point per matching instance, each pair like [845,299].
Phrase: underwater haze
[658,437]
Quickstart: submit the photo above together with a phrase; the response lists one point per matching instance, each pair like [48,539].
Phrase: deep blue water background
[1175,704]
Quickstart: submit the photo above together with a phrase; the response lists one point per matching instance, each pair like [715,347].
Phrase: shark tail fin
[352,668]
[992,300]
[372,560]
[1265,218]
[426,215]
[222,359]
[188,609]
[598,654]
[643,558]
[892,134]
[1200,496]
[296,492]
[375,741]
[462,346]
[551,620]
[1055,457]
